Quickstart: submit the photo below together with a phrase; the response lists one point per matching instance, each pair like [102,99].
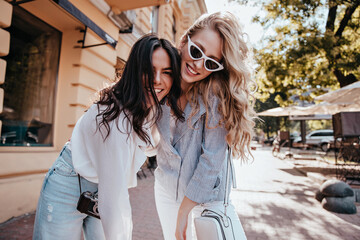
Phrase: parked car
[318,138]
[294,135]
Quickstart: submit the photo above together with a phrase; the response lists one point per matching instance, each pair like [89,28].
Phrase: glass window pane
[30,82]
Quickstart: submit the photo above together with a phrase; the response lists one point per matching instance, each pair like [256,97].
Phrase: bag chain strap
[229,170]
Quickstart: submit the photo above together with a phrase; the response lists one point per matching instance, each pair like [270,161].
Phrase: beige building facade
[54,56]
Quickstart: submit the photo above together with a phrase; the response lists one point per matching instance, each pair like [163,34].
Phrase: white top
[112,164]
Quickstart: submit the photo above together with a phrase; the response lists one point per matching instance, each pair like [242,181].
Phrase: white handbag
[214,224]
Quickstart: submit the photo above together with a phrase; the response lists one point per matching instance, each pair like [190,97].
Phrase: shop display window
[30,82]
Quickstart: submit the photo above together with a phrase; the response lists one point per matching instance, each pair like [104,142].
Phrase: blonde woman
[192,154]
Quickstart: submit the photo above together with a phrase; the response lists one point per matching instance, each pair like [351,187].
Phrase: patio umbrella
[318,111]
[330,108]
[346,95]
[281,111]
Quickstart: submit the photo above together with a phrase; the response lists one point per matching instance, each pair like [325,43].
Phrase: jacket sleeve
[203,184]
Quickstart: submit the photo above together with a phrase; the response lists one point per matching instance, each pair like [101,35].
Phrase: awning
[116,6]
[123,5]
[75,12]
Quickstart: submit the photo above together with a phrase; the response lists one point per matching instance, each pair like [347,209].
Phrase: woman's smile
[191,71]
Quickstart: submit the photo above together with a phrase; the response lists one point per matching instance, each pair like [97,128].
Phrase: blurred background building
[54,56]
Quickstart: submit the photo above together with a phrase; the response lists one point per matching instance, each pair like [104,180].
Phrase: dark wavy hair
[128,95]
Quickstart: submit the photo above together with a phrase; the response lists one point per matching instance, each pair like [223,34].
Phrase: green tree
[268,124]
[312,45]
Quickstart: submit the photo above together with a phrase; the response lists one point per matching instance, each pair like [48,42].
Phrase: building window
[30,82]
[119,68]
[154,19]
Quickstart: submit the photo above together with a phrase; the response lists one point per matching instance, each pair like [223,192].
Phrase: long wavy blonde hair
[231,85]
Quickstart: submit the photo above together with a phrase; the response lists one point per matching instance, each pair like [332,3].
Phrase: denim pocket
[217,183]
[64,169]
[46,179]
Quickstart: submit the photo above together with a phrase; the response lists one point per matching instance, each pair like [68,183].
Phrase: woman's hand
[182,219]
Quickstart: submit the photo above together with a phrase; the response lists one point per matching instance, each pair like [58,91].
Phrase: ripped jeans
[56,213]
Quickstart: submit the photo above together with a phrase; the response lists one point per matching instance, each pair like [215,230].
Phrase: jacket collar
[181,126]
[188,124]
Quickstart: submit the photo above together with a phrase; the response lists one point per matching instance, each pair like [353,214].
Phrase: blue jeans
[56,214]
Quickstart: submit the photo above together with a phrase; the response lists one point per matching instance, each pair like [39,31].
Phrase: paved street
[274,201]
[145,218]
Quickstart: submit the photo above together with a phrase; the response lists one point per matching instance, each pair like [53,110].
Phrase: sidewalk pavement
[309,162]
[273,199]
[276,201]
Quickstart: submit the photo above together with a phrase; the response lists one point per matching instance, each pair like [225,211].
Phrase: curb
[316,177]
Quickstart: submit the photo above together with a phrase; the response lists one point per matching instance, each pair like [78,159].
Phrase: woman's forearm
[185,208]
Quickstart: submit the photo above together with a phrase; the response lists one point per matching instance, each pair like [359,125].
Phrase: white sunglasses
[196,53]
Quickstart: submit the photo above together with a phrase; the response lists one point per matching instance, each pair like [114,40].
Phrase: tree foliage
[268,124]
[313,44]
